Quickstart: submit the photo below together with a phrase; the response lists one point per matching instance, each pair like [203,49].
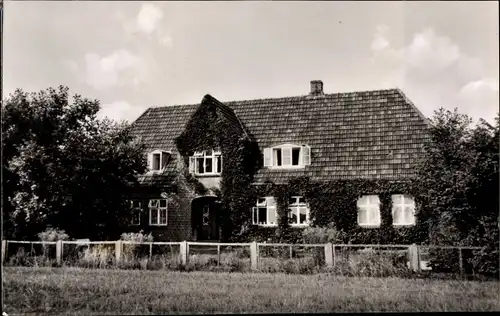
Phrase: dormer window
[157,160]
[287,156]
[208,162]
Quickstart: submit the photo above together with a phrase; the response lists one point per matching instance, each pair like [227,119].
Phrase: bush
[372,264]
[486,261]
[131,251]
[99,256]
[323,235]
[53,234]
[137,237]
[21,258]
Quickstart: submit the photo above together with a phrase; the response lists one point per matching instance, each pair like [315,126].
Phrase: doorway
[204,216]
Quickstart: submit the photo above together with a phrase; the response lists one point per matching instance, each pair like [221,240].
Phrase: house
[371,136]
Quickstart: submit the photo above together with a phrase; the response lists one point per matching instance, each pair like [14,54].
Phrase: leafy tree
[457,183]
[65,168]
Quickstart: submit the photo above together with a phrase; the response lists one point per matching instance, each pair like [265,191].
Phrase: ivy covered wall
[214,125]
[335,203]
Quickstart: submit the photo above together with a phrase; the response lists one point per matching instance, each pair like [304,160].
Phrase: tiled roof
[158,127]
[370,134]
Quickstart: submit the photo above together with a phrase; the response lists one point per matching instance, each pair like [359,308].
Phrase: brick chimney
[316,87]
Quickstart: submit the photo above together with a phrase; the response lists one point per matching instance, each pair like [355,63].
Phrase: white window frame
[270,158]
[202,156]
[135,208]
[408,219]
[294,208]
[270,204]
[155,205]
[164,158]
[371,205]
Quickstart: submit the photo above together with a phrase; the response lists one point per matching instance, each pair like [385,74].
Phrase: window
[157,160]
[403,210]
[158,212]
[287,156]
[298,211]
[206,163]
[265,212]
[369,211]
[135,207]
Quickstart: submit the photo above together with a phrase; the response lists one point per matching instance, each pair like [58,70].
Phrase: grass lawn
[85,291]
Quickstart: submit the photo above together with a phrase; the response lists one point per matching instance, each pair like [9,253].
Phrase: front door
[205,224]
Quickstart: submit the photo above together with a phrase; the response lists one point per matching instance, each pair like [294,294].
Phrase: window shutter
[150,161]
[268,157]
[192,161]
[255,219]
[306,155]
[164,160]
[286,156]
[271,215]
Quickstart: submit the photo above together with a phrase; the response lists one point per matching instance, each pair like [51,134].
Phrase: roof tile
[369,134]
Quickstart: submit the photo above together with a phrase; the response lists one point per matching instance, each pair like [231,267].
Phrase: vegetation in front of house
[457,186]
[65,168]
[90,292]
[298,259]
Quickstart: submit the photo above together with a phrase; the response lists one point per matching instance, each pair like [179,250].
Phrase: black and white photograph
[245,157]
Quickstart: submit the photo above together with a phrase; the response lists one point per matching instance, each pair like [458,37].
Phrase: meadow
[82,291]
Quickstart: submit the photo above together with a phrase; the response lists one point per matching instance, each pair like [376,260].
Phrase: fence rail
[329,253]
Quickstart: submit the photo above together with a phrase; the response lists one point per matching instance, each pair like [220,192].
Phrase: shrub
[131,251]
[21,258]
[369,263]
[323,235]
[161,262]
[137,237]
[53,234]
[99,256]
[236,261]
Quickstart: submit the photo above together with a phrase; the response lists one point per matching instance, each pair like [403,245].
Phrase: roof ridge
[280,98]
[173,106]
[312,96]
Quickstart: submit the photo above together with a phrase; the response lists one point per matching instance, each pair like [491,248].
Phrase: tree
[457,182]
[65,168]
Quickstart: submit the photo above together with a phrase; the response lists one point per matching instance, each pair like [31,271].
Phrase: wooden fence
[329,251]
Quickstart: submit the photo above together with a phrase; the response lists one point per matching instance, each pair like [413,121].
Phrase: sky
[134,55]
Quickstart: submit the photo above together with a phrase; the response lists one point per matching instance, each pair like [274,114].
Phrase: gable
[208,126]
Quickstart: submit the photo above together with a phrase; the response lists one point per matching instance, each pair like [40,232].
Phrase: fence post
[218,255]
[413,257]
[329,255]
[183,252]
[334,255]
[59,251]
[4,250]
[460,261]
[118,250]
[254,256]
